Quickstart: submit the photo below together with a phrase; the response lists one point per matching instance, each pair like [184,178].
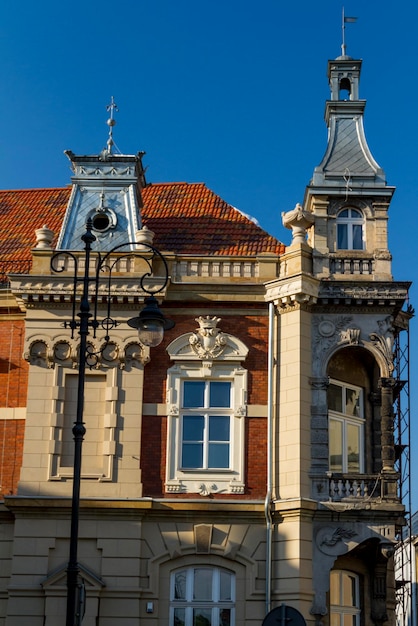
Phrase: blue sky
[226,92]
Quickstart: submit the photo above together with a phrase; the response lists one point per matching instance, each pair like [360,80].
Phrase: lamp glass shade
[151,332]
[151,323]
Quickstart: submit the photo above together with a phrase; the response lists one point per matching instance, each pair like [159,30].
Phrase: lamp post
[150,324]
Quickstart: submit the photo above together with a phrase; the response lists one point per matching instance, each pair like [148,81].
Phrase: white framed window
[206,427]
[345,609]
[350,230]
[202,596]
[206,411]
[346,428]
[206,424]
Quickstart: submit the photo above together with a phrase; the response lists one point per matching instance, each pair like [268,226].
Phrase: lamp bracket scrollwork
[96,288]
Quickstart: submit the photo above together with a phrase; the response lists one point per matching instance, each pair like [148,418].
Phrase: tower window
[350,230]
[346,428]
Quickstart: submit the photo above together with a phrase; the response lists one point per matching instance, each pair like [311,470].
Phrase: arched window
[202,596]
[344,598]
[346,428]
[350,230]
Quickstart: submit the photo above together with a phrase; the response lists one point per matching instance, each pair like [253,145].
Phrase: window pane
[194,393]
[342,240]
[352,404]
[192,449]
[202,587]
[353,448]
[218,455]
[219,428]
[335,588]
[335,446]
[357,237]
[193,427]
[180,585]
[335,620]
[348,586]
[225,586]
[220,394]
[355,214]
[179,617]
[202,617]
[192,455]
[225,617]
[335,398]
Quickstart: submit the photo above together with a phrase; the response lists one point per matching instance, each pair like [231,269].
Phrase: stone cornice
[33,289]
[36,506]
[299,289]
[363,294]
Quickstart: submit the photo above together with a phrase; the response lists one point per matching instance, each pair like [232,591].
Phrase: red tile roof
[187,218]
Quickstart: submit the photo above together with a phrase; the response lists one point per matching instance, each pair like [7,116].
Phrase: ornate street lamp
[150,324]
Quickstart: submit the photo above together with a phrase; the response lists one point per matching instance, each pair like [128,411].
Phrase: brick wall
[253,331]
[13,392]
[13,369]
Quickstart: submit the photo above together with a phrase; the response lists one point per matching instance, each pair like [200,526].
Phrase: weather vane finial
[346,20]
[112,108]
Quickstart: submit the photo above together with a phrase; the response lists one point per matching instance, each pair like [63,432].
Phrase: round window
[101,222]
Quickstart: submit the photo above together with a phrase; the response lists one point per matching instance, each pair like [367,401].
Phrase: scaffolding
[404,554]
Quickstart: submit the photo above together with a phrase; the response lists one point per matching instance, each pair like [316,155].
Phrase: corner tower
[348,193]
[338,316]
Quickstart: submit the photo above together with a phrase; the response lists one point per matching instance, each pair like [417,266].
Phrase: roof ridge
[177,182]
[32,189]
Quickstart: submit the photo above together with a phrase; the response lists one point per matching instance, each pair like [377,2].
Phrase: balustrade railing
[366,486]
[351,266]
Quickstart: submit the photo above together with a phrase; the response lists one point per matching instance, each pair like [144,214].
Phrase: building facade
[250,460]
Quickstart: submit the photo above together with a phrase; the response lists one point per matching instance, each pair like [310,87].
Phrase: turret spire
[111,122]
[345,20]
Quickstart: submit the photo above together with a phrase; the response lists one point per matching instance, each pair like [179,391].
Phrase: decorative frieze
[47,352]
[333,331]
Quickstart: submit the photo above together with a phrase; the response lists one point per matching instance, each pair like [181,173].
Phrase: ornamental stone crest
[331,331]
[208,341]
[384,339]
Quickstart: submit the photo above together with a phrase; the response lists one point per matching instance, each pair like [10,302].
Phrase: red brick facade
[13,391]
[253,331]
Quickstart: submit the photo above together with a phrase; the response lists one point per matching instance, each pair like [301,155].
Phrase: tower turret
[348,193]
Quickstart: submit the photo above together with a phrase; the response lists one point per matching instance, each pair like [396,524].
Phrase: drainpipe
[267,503]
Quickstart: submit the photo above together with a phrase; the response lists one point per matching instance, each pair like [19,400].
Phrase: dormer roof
[187,219]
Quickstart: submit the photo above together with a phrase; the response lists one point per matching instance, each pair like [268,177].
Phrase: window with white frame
[345,607]
[350,230]
[202,596]
[346,428]
[206,426]
[206,411]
